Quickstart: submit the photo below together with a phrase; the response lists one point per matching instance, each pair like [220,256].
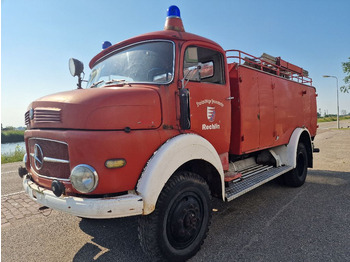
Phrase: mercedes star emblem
[38,157]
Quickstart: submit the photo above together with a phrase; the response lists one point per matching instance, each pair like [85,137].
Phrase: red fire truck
[167,121]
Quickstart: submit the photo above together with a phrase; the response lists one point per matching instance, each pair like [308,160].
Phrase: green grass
[12,136]
[13,156]
[331,118]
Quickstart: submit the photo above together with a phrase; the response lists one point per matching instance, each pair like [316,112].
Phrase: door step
[251,178]
[246,172]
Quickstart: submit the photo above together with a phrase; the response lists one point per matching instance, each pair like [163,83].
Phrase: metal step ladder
[251,178]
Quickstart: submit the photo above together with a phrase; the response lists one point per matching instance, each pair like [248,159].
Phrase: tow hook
[57,188]
[22,171]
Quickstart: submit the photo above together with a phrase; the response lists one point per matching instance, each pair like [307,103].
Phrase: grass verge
[12,136]
[331,118]
[13,156]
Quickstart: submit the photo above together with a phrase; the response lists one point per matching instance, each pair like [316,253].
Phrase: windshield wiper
[119,81]
[96,83]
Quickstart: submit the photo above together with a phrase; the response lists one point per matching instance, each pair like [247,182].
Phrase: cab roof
[165,34]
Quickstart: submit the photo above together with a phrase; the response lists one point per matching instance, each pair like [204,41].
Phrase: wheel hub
[184,221]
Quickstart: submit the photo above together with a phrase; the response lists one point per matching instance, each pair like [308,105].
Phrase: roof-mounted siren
[173,20]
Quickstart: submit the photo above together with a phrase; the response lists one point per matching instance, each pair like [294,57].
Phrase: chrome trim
[25,158]
[31,114]
[46,139]
[55,160]
[50,177]
[137,43]
[38,157]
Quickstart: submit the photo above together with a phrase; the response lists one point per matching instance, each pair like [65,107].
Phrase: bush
[12,136]
[13,157]
[332,118]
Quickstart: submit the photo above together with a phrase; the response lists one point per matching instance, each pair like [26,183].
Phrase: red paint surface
[110,108]
[267,109]
[95,147]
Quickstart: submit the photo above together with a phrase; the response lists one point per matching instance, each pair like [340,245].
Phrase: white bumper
[109,207]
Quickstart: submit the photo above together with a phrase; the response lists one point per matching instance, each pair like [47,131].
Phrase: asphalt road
[270,223]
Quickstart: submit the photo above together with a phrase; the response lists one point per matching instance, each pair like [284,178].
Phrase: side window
[203,65]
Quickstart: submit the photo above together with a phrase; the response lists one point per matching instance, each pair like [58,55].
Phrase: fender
[167,159]
[288,153]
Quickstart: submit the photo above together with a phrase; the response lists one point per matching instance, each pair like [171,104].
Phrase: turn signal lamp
[115,163]
[173,20]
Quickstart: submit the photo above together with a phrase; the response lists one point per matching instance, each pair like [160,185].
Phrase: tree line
[10,134]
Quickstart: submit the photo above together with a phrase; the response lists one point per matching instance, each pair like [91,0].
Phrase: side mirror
[76,68]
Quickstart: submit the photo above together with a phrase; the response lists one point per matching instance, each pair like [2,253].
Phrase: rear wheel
[177,228]
[297,176]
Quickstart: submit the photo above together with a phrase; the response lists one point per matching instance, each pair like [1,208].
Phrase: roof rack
[270,64]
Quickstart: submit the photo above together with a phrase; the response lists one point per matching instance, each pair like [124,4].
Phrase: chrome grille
[54,158]
[47,115]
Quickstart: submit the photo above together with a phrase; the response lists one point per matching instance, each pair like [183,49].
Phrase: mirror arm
[79,82]
[183,84]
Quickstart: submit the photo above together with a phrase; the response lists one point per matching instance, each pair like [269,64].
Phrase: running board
[239,187]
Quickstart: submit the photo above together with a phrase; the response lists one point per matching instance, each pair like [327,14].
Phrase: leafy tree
[346,69]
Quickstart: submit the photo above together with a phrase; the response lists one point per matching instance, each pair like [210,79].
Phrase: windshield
[150,62]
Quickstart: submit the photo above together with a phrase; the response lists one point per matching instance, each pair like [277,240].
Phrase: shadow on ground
[270,223]
[113,240]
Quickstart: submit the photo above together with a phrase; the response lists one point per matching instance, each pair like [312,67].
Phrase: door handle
[230,98]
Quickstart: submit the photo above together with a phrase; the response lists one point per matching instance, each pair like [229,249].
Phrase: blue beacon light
[173,20]
[173,11]
[106,44]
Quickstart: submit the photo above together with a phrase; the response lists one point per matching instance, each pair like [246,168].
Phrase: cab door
[206,79]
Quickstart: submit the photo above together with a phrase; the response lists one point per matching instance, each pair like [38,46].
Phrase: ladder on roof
[271,64]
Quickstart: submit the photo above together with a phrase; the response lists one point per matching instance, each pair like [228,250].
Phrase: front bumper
[109,207]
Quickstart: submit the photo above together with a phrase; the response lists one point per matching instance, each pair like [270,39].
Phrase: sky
[39,36]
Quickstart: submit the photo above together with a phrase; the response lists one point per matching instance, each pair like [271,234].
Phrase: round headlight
[84,178]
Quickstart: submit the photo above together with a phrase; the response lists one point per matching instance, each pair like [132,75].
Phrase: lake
[10,147]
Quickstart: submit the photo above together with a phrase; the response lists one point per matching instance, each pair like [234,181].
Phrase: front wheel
[297,176]
[177,228]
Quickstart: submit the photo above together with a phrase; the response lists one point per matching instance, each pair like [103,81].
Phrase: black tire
[297,176]
[177,228]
